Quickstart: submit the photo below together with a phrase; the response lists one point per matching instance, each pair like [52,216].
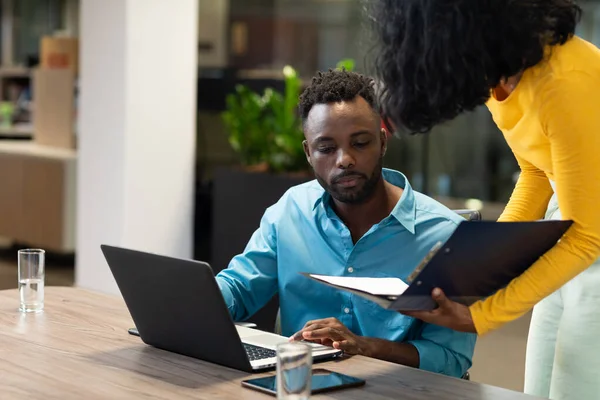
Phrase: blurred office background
[112,130]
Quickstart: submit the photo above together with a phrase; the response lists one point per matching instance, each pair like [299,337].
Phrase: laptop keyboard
[258,353]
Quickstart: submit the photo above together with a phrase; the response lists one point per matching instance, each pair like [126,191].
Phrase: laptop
[177,306]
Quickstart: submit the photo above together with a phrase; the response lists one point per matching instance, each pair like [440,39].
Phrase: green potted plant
[264,129]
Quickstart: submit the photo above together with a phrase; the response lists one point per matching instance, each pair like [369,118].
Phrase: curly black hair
[439,58]
[336,85]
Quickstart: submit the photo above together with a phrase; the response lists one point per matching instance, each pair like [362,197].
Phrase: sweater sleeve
[531,195]
[571,122]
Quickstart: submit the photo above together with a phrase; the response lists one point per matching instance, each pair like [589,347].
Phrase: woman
[439,58]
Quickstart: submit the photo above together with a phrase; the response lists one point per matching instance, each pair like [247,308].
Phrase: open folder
[479,258]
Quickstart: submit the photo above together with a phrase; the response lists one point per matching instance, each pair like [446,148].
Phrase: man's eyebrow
[363,132]
[321,139]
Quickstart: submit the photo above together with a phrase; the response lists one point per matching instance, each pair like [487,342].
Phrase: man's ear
[384,140]
[306,151]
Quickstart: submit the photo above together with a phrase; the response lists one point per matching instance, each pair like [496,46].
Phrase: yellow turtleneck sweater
[551,122]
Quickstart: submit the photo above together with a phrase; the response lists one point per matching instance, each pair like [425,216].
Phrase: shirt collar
[404,211]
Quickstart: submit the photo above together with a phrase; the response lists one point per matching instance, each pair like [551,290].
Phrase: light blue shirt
[302,233]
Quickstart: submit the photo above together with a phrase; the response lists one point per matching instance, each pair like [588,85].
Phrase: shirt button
[347,310]
[350,269]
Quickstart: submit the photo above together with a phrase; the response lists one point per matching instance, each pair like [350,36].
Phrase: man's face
[345,147]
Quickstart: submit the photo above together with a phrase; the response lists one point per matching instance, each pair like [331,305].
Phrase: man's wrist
[399,353]
[372,347]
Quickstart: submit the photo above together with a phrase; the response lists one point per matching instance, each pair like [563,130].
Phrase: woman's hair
[439,58]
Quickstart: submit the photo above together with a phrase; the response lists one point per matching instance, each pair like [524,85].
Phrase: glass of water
[294,371]
[31,279]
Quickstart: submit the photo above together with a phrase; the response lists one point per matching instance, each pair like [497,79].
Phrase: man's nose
[345,159]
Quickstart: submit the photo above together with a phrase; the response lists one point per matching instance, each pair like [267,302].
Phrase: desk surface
[79,348]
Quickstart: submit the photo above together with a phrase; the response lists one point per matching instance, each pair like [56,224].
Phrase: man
[356,219]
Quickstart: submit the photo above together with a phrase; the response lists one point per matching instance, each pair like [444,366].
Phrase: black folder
[479,258]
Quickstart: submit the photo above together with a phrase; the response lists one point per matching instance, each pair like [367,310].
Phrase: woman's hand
[449,314]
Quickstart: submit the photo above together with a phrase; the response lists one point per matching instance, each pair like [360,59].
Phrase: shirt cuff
[478,317]
[434,358]
[228,297]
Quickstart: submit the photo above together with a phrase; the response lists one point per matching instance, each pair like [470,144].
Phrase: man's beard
[355,195]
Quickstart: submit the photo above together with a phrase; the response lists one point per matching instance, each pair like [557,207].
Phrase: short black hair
[439,58]
[334,86]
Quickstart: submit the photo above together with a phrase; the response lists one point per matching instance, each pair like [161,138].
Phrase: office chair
[469,215]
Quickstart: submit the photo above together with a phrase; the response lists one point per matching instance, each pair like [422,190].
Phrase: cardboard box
[59,53]
[54,108]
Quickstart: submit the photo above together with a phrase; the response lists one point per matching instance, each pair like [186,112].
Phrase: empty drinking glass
[294,371]
[31,279]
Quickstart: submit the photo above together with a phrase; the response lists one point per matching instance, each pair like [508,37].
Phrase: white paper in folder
[374,286]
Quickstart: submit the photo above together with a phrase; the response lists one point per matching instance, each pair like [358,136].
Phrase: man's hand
[331,332]
[449,314]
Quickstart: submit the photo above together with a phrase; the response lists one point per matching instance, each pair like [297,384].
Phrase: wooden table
[79,348]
